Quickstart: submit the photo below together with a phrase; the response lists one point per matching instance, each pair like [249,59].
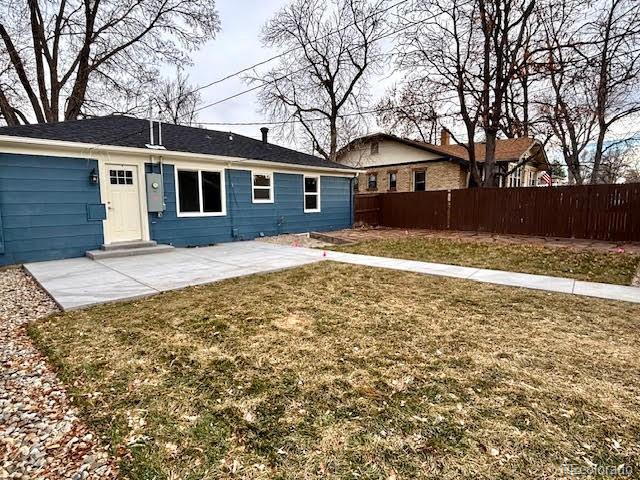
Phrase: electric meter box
[155,193]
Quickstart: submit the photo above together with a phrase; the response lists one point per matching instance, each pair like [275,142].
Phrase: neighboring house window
[515,177]
[533,180]
[372,181]
[419,181]
[311,194]
[375,148]
[393,180]
[262,187]
[200,193]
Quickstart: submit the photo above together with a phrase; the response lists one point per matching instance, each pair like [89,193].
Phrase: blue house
[72,187]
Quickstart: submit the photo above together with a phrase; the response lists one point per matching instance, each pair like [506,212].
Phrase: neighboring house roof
[428,147]
[507,150]
[125,131]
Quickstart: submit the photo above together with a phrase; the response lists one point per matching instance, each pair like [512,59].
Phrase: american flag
[546,178]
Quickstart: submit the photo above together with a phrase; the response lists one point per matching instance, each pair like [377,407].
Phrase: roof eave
[87,148]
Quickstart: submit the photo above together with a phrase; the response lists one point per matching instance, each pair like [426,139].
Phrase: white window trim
[304,194]
[223,192]
[270,187]
[425,180]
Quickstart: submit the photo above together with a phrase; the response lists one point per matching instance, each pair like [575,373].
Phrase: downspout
[352,213]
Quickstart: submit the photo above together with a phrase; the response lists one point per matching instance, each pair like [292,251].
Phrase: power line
[275,80]
[351,114]
[291,50]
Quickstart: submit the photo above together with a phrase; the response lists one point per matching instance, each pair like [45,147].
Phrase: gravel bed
[40,431]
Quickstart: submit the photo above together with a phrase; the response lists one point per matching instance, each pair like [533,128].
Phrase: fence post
[448,227]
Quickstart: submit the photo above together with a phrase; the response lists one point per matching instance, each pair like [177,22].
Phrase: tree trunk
[490,159]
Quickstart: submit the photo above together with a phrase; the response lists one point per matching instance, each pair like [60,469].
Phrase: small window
[393,177]
[311,194]
[121,177]
[262,187]
[375,148]
[419,181]
[200,193]
[372,181]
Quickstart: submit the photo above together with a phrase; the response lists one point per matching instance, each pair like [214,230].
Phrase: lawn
[589,265]
[342,371]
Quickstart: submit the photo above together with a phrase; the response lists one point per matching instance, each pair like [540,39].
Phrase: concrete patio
[80,282]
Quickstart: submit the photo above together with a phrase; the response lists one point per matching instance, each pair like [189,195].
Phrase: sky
[237,46]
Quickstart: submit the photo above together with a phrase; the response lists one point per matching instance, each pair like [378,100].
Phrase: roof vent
[265,134]
[156,145]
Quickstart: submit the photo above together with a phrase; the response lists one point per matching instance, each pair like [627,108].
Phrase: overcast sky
[238,46]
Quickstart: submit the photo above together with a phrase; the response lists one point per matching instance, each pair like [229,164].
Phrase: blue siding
[285,215]
[43,205]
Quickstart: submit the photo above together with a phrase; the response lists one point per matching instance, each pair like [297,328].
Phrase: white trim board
[57,148]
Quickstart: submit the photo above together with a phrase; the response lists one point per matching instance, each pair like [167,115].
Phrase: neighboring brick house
[394,164]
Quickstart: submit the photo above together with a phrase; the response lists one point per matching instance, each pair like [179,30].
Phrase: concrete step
[127,252]
[128,245]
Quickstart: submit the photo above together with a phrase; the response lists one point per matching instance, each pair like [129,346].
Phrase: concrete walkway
[80,282]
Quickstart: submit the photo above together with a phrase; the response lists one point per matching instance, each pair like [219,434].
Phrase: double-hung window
[372,181]
[261,187]
[393,181]
[419,181]
[311,194]
[200,193]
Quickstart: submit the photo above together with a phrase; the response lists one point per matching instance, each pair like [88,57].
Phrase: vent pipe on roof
[265,134]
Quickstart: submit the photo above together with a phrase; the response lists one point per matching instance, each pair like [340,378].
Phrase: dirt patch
[381,233]
[296,240]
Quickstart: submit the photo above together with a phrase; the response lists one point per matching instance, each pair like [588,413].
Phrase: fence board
[599,212]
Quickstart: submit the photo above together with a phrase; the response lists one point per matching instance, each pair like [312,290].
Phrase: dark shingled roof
[124,131]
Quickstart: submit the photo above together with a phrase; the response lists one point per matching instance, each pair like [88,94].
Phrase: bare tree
[618,162]
[411,111]
[474,48]
[328,53]
[69,57]
[177,100]
[592,69]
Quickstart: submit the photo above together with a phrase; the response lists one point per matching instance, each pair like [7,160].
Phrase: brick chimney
[445,137]
[265,134]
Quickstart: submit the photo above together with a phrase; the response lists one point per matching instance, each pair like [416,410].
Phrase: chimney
[445,137]
[265,133]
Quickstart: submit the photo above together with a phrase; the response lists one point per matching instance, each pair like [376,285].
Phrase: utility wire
[275,80]
[291,50]
[350,114]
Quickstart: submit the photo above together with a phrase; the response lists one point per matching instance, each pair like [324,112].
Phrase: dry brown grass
[581,264]
[341,371]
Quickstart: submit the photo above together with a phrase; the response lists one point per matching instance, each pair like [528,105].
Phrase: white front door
[123,203]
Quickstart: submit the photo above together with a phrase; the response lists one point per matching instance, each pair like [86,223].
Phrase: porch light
[93,177]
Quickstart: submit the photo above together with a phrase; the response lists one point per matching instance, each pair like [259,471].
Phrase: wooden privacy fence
[603,212]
